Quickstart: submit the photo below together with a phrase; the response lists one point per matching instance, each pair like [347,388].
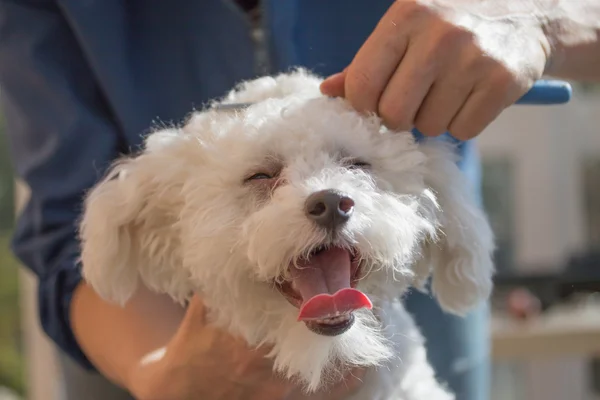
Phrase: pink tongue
[324,284]
[342,301]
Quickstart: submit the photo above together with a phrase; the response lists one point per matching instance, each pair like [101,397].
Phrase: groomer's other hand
[203,362]
[444,65]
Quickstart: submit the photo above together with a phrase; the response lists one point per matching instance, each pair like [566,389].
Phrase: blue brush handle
[543,92]
[546,92]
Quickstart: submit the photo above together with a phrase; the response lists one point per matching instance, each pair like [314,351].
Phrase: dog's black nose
[329,208]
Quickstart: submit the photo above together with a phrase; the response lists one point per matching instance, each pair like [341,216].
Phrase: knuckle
[496,78]
[505,86]
[479,63]
[392,115]
[411,10]
[430,63]
[358,79]
[493,72]
[360,89]
[502,78]
[452,36]
[395,47]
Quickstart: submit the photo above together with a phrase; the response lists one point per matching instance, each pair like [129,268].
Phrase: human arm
[571,29]
[455,66]
[573,32]
[117,338]
[159,351]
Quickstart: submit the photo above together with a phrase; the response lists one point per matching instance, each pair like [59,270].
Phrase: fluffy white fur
[180,218]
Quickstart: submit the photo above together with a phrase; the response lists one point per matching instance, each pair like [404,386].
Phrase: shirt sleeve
[62,138]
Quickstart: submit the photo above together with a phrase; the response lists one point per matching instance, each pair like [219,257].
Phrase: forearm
[573,31]
[116,338]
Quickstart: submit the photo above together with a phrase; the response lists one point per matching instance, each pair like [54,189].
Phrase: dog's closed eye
[356,163]
[262,184]
[259,176]
[267,178]
[264,172]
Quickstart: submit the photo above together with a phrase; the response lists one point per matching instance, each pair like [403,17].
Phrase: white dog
[300,222]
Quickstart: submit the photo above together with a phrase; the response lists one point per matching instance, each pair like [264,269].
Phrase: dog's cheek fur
[392,242]
[277,233]
[461,260]
[456,241]
[107,244]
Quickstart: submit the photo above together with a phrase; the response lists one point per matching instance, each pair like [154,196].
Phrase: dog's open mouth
[323,288]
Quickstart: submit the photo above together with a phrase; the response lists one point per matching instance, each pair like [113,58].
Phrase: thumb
[334,85]
[194,320]
[196,332]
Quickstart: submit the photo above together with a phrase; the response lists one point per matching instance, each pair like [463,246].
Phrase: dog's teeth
[333,320]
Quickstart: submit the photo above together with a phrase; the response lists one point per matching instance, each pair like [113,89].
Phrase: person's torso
[156,61]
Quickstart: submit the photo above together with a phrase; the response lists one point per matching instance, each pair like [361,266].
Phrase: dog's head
[293,218]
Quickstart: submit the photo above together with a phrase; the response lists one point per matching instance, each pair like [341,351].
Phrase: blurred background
[541,170]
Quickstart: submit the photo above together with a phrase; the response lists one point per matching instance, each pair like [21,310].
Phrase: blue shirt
[82,80]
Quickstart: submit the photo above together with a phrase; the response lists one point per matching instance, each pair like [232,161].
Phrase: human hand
[443,66]
[203,362]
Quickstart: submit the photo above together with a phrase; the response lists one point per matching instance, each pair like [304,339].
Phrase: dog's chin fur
[181,218]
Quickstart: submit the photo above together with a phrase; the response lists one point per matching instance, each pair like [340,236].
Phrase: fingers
[193,338]
[443,101]
[333,86]
[196,336]
[406,90]
[484,105]
[195,316]
[439,69]
[375,63]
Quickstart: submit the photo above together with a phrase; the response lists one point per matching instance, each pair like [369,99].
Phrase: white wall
[547,145]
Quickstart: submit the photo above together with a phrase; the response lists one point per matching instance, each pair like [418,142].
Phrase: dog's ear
[129,230]
[460,256]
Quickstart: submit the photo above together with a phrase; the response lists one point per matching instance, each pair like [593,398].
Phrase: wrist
[555,50]
[535,22]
